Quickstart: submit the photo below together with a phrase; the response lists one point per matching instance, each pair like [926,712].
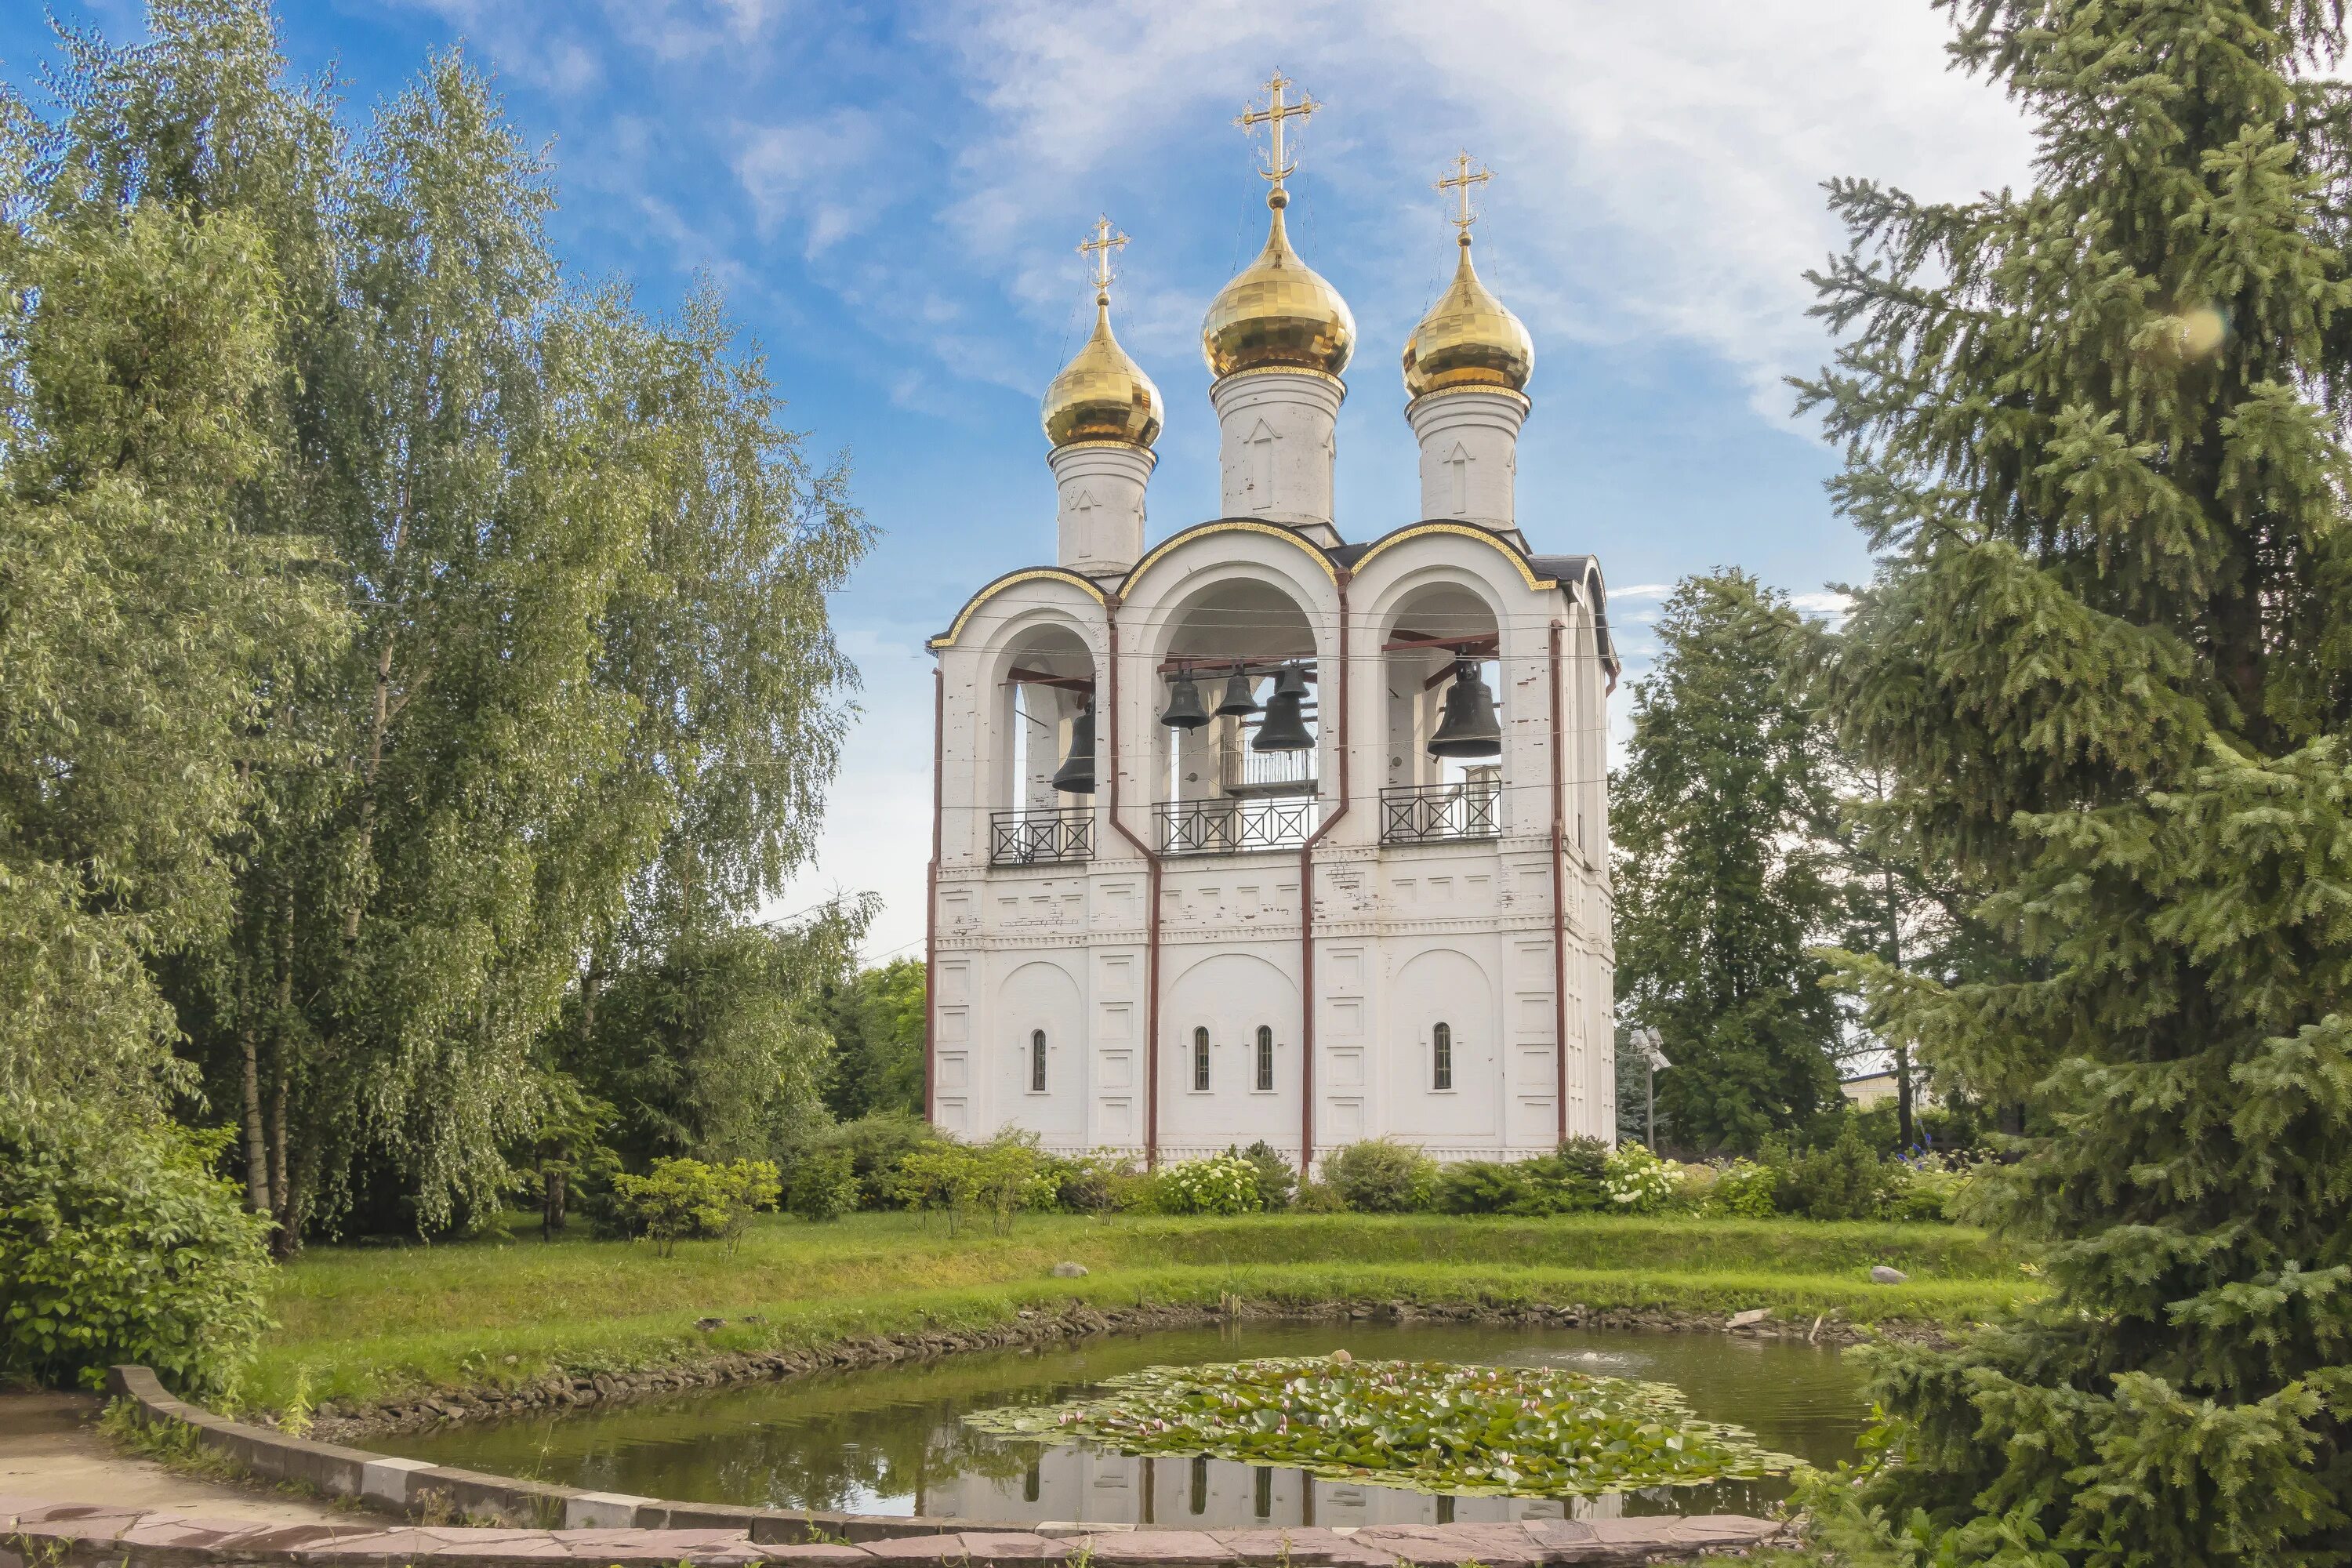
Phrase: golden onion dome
[1102,394]
[1277,314]
[1468,339]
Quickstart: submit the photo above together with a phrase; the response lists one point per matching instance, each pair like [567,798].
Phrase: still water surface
[891,1439]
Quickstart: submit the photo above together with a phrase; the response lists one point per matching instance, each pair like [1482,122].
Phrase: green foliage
[876,1145]
[1377,1176]
[1748,1190]
[1423,1425]
[714,1041]
[118,1244]
[824,1185]
[682,1200]
[876,1019]
[1318,1197]
[1567,1182]
[997,1179]
[1636,1181]
[1721,884]
[1276,1182]
[1847,1180]
[2095,434]
[1220,1183]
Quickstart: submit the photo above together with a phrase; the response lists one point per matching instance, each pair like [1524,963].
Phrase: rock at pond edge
[1881,1274]
[1069,1271]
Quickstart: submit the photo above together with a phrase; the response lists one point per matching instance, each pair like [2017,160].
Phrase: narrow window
[1441,1052]
[1265,1499]
[1200,1484]
[1200,1060]
[1036,1061]
[1265,1057]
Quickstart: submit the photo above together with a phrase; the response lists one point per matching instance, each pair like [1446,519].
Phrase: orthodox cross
[1099,248]
[1464,181]
[1275,113]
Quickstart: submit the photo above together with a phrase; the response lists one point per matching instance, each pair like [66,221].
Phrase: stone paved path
[50,1448]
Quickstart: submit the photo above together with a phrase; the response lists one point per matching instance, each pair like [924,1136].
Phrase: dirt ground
[50,1450]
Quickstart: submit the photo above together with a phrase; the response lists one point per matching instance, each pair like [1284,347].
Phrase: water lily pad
[1429,1426]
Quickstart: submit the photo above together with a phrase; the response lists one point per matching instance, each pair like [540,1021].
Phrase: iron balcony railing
[1027,837]
[1425,814]
[1232,826]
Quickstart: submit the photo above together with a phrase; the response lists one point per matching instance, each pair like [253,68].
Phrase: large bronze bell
[1240,695]
[1469,728]
[1077,773]
[1184,711]
[1284,727]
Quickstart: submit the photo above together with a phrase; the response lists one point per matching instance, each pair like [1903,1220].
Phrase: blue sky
[890,197]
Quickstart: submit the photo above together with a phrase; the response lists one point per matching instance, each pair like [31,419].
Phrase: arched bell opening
[1042,806]
[1238,721]
[1443,695]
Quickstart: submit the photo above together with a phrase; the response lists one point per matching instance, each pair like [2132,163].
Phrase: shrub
[1929,1187]
[1484,1187]
[1276,1180]
[118,1243]
[876,1144]
[1377,1176]
[1748,1190]
[998,1178]
[1845,1181]
[1637,1182]
[681,1200]
[1085,1183]
[824,1185]
[1318,1197]
[1222,1184]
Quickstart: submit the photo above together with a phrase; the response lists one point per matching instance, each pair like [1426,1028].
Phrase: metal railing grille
[1231,827]
[1425,814]
[1027,837]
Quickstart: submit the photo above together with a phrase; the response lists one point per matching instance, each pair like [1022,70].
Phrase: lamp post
[1652,1059]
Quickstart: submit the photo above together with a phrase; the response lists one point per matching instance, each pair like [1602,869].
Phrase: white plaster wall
[1469,440]
[1277,441]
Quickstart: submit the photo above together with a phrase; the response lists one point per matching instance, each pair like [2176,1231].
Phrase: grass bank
[369,1322]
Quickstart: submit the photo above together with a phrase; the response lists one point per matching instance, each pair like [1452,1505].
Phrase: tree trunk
[379,727]
[554,1190]
[284,1243]
[256,1148]
[1903,1097]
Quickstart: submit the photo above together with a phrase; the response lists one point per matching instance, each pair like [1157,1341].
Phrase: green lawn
[368,1322]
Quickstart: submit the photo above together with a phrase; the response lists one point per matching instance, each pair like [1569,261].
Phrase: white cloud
[807,174]
[1641,591]
[1658,165]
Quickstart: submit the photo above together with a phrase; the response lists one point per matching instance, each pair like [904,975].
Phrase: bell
[1468,729]
[1291,682]
[1284,727]
[1240,695]
[1184,711]
[1077,773]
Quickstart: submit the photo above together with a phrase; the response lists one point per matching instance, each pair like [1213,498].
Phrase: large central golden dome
[1102,394]
[1277,314]
[1468,339]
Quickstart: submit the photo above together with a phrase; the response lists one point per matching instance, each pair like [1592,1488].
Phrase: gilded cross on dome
[1100,248]
[1275,111]
[1464,181]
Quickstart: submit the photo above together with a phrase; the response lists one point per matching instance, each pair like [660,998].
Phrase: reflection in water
[892,1441]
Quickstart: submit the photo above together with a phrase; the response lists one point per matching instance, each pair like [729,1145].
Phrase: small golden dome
[1102,394]
[1468,339]
[1277,314]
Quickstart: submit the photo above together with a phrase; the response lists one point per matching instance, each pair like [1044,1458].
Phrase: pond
[892,1440]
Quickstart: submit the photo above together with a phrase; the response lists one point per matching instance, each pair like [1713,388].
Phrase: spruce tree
[1720,885]
[2096,432]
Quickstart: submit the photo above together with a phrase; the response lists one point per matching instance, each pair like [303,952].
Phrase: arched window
[1441,1057]
[1200,1061]
[1036,1061]
[1265,1057]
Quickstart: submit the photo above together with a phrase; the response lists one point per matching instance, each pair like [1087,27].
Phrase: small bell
[1469,728]
[1184,711]
[1291,682]
[1284,727]
[1240,695]
[1077,773]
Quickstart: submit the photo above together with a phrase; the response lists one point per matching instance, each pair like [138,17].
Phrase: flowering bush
[1748,1190]
[1222,1184]
[1638,1182]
